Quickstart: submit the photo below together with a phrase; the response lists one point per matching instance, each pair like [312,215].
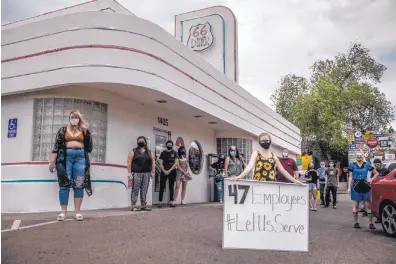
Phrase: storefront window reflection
[243,145]
[195,157]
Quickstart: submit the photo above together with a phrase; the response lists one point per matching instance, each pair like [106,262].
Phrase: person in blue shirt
[359,186]
[322,181]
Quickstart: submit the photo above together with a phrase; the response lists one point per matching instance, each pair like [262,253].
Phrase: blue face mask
[322,166]
[233,153]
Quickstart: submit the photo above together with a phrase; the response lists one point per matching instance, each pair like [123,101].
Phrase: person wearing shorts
[359,187]
[311,177]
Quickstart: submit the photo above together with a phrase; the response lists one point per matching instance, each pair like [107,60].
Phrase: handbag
[361,186]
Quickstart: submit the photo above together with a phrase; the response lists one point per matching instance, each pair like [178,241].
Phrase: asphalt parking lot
[190,234]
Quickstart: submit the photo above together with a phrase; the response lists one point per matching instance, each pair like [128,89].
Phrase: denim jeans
[75,171]
[219,186]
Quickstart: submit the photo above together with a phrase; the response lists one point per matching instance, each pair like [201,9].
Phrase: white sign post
[265,215]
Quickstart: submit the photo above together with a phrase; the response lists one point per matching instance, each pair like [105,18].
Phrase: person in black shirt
[168,161]
[141,167]
[311,177]
[381,169]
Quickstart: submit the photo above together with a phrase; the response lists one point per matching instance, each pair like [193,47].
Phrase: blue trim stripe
[53,180]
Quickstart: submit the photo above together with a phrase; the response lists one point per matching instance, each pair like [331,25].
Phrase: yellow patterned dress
[265,169]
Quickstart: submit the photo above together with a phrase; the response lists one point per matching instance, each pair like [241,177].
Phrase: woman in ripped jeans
[70,159]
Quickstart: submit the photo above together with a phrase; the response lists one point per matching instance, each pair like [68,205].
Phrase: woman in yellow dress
[265,163]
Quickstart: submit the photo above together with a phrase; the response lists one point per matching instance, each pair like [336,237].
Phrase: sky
[275,37]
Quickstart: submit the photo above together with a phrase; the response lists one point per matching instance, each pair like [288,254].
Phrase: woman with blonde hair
[265,163]
[70,159]
[359,187]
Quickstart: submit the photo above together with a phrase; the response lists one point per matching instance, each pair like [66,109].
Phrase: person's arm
[56,148]
[326,174]
[176,164]
[373,171]
[249,167]
[284,172]
[129,163]
[161,162]
[152,164]
[350,173]
[226,166]
[211,167]
[295,170]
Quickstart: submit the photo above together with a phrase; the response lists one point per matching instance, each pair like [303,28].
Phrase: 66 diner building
[129,77]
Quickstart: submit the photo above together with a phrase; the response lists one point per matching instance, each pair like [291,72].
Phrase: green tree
[291,88]
[341,93]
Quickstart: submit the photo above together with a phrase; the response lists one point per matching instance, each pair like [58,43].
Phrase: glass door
[160,138]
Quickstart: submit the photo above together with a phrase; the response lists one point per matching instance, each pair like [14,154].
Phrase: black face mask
[141,144]
[169,147]
[265,144]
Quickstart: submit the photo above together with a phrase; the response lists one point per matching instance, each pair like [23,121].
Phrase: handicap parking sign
[12,127]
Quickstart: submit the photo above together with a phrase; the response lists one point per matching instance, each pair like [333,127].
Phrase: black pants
[333,190]
[171,177]
[322,190]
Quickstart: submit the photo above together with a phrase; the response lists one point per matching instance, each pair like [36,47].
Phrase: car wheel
[388,219]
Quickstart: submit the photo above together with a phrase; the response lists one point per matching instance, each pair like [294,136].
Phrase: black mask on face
[265,144]
[141,144]
[169,147]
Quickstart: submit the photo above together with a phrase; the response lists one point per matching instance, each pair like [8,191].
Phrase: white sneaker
[183,202]
[221,201]
[61,217]
[79,216]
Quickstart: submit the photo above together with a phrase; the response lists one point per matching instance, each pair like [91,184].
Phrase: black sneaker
[357,226]
[159,205]
[372,226]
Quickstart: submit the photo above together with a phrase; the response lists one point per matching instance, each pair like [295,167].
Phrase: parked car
[383,198]
[390,164]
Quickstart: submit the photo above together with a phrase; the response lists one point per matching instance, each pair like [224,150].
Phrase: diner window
[243,145]
[195,157]
[50,114]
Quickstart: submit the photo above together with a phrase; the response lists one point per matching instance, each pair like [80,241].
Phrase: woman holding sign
[265,163]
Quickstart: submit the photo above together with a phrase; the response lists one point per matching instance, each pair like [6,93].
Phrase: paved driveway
[191,234]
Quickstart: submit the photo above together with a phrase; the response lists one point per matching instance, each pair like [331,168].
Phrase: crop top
[69,137]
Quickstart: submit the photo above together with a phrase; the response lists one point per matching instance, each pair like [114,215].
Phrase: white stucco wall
[126,121]
[115,48]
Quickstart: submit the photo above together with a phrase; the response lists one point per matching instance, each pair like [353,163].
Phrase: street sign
[383,143]
[352,147]
[351,138]
[358,134]
[372,142]
[12,127]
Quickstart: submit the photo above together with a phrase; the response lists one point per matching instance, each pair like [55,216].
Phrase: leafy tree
[340,94]
[291,88]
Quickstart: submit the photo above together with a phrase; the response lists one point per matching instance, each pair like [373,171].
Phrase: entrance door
[160,138]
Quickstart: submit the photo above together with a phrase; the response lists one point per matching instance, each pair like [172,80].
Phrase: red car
[383,198]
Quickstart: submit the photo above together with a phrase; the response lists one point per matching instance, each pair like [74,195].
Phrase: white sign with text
[265,215]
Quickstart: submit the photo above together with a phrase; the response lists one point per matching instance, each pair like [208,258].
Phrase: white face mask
[285,154]
[74,122]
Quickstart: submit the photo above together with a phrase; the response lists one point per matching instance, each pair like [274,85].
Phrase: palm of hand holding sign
[265,163]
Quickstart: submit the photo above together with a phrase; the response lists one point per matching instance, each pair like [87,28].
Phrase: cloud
[274,37]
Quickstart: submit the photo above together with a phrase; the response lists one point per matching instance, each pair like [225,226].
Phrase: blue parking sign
[12,127]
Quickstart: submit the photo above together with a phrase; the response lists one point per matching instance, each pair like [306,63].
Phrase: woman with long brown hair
[70,159]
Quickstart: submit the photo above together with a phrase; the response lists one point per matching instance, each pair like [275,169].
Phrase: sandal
[61,217]
[135,209]
[372,226]
[79,216]
[357,226]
